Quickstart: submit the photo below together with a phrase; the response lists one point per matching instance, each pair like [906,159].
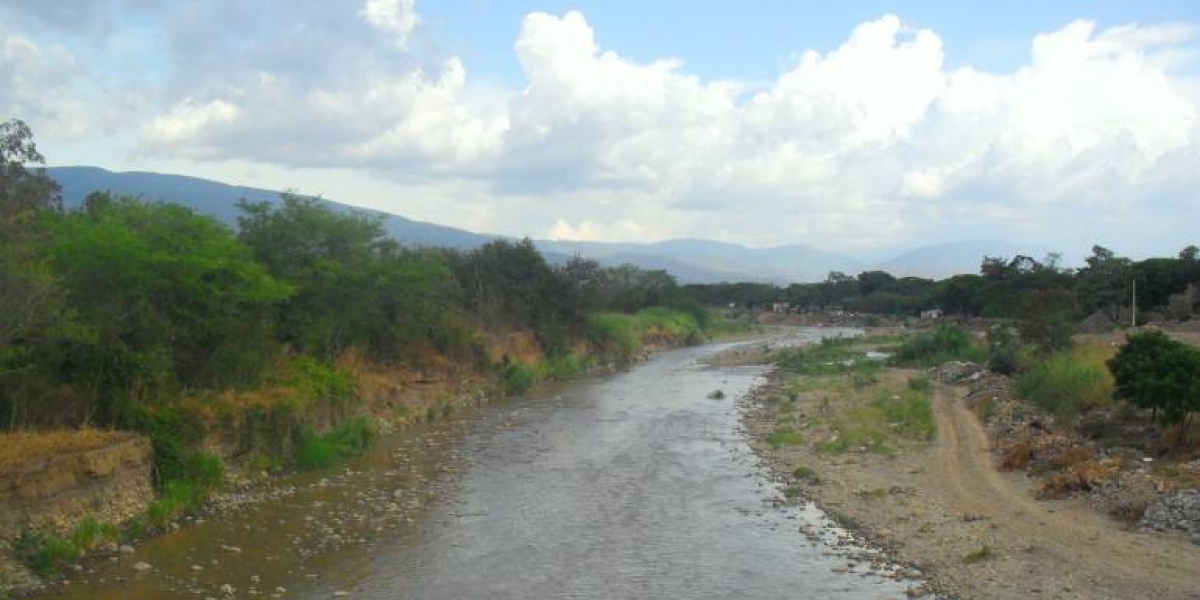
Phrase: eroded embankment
[253,437]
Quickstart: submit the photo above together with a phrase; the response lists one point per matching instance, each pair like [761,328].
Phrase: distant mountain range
[689,260]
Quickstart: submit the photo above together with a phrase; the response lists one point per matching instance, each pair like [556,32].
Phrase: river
[630,485]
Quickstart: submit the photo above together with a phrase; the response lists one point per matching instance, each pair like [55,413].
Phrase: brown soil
[978,533]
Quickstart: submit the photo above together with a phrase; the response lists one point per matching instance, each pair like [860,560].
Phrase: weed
[806,475]
[980,554]
[920,383]
[44,553]
[784,436]
[349,438]
[1069,383]
[946,343]
[791,491]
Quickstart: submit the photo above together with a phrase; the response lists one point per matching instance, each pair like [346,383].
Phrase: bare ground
[978,533]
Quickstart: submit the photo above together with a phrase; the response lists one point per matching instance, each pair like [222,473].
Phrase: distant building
[932,313]
[779,307]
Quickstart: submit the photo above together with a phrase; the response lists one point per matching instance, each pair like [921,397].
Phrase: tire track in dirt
[1072,538]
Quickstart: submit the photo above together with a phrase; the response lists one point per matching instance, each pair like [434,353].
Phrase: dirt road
[1061,538]
[979,534]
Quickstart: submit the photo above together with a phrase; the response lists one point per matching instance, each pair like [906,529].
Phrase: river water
[632,485]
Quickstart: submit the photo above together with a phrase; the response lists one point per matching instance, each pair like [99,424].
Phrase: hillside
[689,260]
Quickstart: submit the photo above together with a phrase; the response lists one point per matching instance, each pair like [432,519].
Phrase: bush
[1003,348]
[348,439]
[177,499]
[517,379]
[784,436]
[45,554]
[944,344]
[1068,383]
[1153,371]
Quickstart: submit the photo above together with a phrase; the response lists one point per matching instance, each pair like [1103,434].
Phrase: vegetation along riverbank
[285,343]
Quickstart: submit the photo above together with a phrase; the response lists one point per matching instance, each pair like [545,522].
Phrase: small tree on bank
[1153,371]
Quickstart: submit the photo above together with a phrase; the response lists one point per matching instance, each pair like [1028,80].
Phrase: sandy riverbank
[943,508]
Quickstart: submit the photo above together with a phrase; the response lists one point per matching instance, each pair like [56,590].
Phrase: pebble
[125,549]
[141,566]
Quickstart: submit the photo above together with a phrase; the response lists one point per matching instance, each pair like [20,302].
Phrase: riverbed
[631,485]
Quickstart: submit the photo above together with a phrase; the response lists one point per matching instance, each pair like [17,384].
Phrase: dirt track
[1064,538]
[944,503]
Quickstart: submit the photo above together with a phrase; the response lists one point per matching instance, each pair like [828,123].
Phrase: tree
[354,287]
[165,298]
[1047,318]
[1153,371]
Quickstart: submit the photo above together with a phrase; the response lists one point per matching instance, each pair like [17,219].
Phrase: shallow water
[633,485]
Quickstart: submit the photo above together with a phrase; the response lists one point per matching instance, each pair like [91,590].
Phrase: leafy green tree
[166,297]
[354,287]
[32,308]
[1153,371]
[1047,317]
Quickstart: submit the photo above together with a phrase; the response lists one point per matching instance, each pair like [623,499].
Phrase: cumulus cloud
[876,135]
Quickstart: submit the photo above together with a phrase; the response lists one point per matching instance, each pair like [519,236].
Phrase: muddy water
[634,485]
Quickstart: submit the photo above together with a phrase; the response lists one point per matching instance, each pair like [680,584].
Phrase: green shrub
[920,383]
[348,439]
[1068,383]
[517,379]
[45,554]
[89,533]
[944,344]
[178,498]
[784,436]
[807,475]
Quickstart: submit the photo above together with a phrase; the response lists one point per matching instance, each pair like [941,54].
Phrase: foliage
[353,286]
[1068,383]
[347,439]
[47,553]
[784,436]
[621,335]
[908,413]
[1153,371]
[946,343]
[1003,348]
[1047,318]
[517,379]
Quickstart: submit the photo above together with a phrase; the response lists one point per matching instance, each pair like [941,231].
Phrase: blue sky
[757,40]
[862,127]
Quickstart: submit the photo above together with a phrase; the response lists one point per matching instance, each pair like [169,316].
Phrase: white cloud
[396,17]
[624,229]
[874,142]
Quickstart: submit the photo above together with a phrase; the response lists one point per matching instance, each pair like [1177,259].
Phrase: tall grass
[349,438]
[1069,383]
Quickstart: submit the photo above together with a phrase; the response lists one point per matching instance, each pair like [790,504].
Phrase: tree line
[122,304]
[1003,288]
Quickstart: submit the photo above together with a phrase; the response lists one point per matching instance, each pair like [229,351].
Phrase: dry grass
[21,447]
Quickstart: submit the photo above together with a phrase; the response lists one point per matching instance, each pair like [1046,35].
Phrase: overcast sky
[854,126]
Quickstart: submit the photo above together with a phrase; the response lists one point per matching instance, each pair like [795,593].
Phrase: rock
[141,566]
[1177,512]
[341,594]
[125,549]
[226,589]
[197,568]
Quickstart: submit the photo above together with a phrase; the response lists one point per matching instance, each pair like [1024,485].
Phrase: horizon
[859,130]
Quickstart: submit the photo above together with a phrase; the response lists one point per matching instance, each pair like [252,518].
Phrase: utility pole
[1134,311]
